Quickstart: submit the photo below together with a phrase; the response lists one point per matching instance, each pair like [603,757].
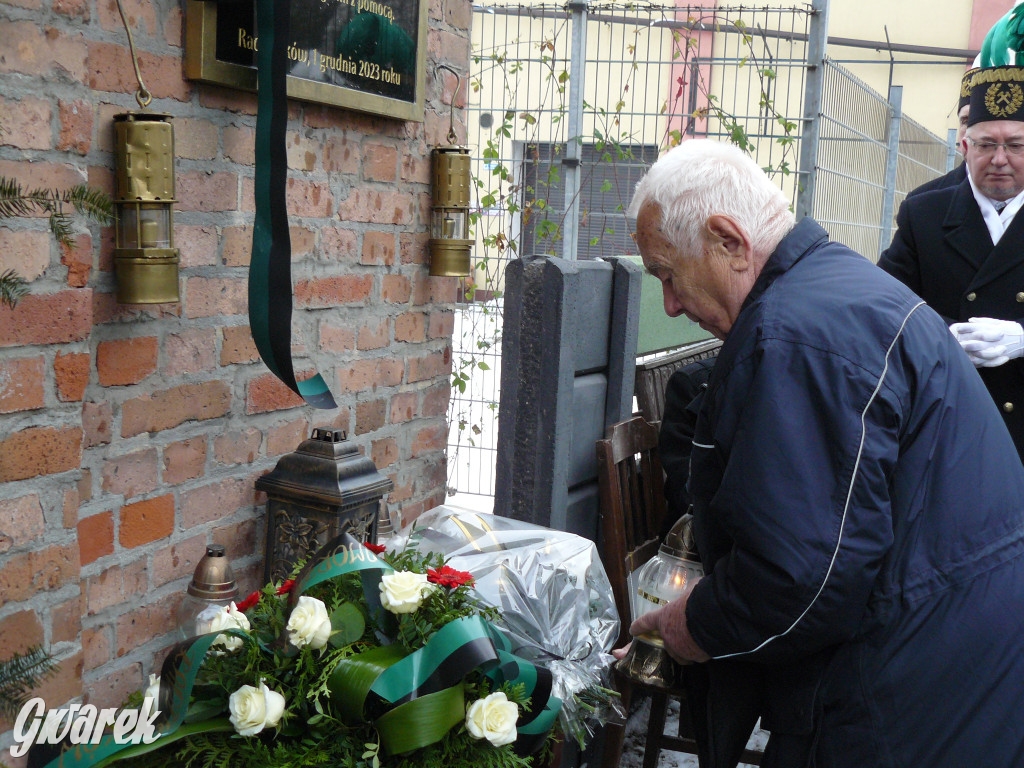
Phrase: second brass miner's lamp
[450,244]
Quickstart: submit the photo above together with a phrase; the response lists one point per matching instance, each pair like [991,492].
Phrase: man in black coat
[960,248]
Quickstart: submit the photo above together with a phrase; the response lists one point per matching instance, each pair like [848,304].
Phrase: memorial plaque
[365,55]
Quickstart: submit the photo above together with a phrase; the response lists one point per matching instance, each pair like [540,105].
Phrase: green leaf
[348,624]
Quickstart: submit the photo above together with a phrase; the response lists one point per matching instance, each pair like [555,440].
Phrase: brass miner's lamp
[145,259]
[660,580]
[450,244]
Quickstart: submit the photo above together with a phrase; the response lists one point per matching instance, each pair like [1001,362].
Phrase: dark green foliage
[19,675]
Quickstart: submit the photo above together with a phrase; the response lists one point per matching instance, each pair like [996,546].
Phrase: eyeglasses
[989,147]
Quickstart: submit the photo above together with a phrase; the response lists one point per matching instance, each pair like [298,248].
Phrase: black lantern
[325,487]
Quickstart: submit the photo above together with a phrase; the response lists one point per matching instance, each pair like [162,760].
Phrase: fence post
[951,144]
[817,47]
[892,162]
[574,149]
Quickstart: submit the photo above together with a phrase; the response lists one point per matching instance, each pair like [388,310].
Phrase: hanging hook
[452,136]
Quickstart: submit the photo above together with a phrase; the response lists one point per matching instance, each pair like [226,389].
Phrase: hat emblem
[1003,99]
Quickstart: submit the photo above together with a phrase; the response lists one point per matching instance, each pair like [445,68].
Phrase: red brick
[411,326]
[378,248]
[184,460]
[370,416]
[71,372]
[171,407]
[21,384]
[75,126]
[435,401]
[308,199]
[195,139]
[403,407]
[380,162]
[191,351]
[328,292]
[26,252]
[78,259]
[240,145]
[207,296]
[373,336]
[237,346]
[339,244]
[178,560]
[110,69]
[126,361]
[237,246]
[363,375]
[23,576]
[413,249]
[97,421]
[341,155]
[379,206]
[302,151]
[268,393]
[336,339]
[384,452]
[132,474]
[42,50]
[146,521]
[116,584]
[114,686]
[55,318]
[64,685]
[40,451]
[441,325]
[206,191]
[215,501]
[429,439]
[197,246]
[238,447]
[66,621]
[19,632]
[137,627]
[71,505]
[21,522]
[395,289]
[73,8]
[430,366]
[96,646]
[241,539]
[287,437]
[228,99]
[25,123]
[95,537]
[415,168]
[140,15]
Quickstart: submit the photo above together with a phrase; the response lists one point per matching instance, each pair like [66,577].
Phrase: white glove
[989,342]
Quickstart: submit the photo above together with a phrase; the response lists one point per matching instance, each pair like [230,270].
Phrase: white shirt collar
[996,221]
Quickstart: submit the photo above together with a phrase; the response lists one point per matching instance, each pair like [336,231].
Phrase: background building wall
[130,437]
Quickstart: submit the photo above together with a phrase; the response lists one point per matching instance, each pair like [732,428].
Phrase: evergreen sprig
[19,675]
[12,288]
[16,200]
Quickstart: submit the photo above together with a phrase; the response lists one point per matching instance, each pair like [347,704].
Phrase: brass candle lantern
[145,259]
[450,244]
[212,587]
[660,580]
[325,487]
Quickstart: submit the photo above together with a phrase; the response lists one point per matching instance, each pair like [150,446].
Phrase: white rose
[253,709]
[403,591]
[229,617]
[493,718]
[309,623]
[153,691]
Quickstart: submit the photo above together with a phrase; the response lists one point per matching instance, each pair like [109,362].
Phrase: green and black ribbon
[270,279]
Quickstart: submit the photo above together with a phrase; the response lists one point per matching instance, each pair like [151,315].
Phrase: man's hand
[988,341]
[669,621]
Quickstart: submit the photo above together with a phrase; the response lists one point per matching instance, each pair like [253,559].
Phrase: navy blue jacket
[859,507]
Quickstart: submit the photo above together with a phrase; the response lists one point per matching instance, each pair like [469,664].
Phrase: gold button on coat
[1008,407]
[1020,297]
[972,296]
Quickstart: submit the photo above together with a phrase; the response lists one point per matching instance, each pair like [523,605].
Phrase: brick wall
[131,437]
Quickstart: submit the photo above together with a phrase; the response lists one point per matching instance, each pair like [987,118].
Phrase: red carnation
[375,548]
[285,588]
[249,602]
[447,576]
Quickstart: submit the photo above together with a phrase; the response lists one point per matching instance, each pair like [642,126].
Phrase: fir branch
[17,201]
[12,288]
[19,675]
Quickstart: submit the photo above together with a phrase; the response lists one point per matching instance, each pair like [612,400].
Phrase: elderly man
[858,505]
[959,248]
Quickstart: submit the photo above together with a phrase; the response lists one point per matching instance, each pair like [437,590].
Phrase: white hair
[700,178]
